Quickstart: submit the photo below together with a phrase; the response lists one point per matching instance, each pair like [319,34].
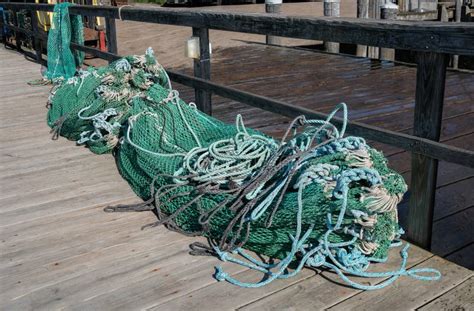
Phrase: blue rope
[334,256]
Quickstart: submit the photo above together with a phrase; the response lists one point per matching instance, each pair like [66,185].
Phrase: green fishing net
[315,198]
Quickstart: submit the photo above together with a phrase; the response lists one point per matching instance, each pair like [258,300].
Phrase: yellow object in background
[45,19]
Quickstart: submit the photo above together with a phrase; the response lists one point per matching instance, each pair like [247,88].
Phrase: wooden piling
[429,97]
[374,12]
[457,19]
[202,69]
[362,12]
[273,7]
[332,8]
[111,35]
[388,11]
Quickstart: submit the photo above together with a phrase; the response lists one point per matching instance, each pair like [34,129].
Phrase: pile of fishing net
[315,198]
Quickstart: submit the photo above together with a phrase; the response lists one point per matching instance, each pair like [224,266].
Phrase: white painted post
[273,7]
[332,8]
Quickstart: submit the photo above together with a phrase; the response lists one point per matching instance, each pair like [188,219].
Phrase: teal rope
[322,255]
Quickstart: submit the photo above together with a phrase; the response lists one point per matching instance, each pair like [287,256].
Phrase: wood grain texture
[323,291]
[429,99]
[459,298]
[202,69]
[111,34]
[409,293]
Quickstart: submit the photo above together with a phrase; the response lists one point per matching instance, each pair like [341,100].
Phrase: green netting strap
[62,62]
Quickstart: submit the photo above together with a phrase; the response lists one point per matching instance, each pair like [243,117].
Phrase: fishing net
[316,198]
[65,28]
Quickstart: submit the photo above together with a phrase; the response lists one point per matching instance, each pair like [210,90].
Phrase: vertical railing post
[430,84]
[362,12]
[273,7]
[374,12]
[332,8]
[388,11]
[202,69]
[111,35]
[36,41]
[457,19]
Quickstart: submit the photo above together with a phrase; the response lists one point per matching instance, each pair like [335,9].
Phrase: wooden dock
[60,250]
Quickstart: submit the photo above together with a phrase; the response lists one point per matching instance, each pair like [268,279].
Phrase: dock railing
[432,42]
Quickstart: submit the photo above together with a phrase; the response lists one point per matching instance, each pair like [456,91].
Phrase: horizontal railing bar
[408,142]
[415,144]
[451,38]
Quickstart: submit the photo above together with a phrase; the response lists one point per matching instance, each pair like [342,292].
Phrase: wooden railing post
[388,11]
[111,35]
[430,83]
[202,69]
[374,12]
[273,7]
[457,19]
[362,12]
[36,41]
[332,8]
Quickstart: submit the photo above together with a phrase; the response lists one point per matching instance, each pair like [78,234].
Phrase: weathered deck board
[60,250]
[459,298]
[313,291]
[409,294]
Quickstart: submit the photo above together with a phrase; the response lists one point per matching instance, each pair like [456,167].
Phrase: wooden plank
[202,69]
[455,39]
[410,293]
[454,198]
[169,262]
[459,298]
[454,232]
[463,256]
[323,291]
[431,77]
[226,296]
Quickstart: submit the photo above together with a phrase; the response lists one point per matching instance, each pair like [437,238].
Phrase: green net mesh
[65,28]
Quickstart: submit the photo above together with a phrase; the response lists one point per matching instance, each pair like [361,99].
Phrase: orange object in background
[102,44]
